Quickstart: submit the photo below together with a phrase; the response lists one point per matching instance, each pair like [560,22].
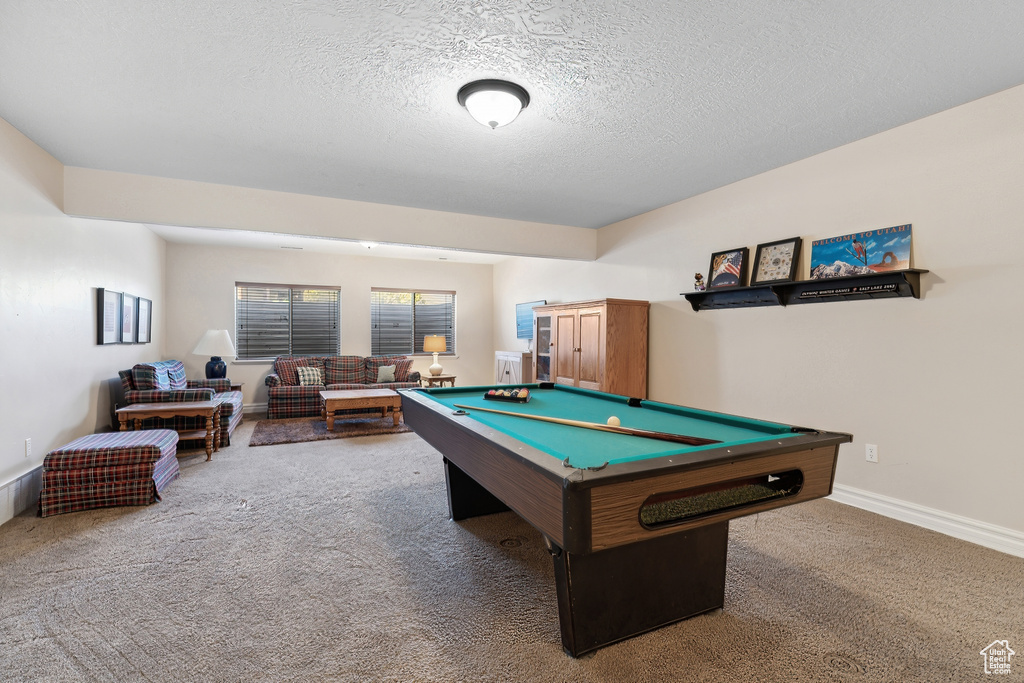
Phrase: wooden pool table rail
[615,509]
[498,463]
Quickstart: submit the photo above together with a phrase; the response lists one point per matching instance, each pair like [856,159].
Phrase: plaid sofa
[164,382]
[288,397]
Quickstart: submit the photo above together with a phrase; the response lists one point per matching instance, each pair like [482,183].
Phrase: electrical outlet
[871,452]
[28,448]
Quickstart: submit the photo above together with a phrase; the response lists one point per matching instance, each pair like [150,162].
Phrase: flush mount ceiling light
[493,103]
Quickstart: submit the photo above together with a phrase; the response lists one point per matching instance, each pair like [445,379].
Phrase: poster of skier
[861,253]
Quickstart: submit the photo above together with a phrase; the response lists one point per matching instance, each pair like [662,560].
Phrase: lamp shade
[492,102]
[434,343]
[215,343]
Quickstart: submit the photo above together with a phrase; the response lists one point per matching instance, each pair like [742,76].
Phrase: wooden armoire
[600,345]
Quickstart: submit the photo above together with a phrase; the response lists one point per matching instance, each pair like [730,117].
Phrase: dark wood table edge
[211,436]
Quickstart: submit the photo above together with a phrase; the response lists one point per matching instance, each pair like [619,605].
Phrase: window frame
[416,334]
[243,343]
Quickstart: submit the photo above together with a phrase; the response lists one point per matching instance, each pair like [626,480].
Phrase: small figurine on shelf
[698,282]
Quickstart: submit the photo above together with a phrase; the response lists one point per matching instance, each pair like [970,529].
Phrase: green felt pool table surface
[586,448]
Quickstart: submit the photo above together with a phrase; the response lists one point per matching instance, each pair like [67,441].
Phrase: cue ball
[613,421]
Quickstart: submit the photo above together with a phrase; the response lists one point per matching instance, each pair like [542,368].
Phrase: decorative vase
[216,368]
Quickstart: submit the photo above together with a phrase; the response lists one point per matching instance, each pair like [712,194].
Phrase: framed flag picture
[728,268]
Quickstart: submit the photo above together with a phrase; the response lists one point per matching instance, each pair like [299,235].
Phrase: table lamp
[434,343]
[215,343]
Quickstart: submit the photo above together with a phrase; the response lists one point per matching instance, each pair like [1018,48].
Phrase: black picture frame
[724,271]
[143,321]
[776,261]
[128,306]
[108,316]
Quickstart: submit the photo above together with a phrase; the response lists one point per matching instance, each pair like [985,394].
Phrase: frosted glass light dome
[493,103]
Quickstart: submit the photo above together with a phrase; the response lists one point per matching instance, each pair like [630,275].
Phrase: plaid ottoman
[109,469]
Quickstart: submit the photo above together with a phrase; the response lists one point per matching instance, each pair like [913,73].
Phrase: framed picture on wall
[728,268]
[108,317]
[144,321]
[862,253]
[775,261]
[128,303]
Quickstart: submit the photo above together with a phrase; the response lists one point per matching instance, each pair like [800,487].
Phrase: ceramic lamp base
[216,368]
[436,368]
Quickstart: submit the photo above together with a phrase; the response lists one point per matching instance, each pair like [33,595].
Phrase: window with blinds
[399,320]
[283,320]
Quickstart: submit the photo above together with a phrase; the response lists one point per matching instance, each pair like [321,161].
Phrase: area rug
[299,429]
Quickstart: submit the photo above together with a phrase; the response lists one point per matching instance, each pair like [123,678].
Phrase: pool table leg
[466,498]
[614,594]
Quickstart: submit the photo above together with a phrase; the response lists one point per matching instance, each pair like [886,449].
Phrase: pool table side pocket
[615,509]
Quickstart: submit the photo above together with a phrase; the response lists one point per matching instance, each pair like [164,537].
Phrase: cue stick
[629,431]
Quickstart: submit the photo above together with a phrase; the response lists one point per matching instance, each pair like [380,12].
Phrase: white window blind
[282,320]
[400,319]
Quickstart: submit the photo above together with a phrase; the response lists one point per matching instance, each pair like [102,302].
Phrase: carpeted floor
[335,560]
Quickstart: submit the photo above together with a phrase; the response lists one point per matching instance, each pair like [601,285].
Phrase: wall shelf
[886,285]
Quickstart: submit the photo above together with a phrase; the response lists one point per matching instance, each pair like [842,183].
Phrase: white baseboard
[20,494]
[254,408]
[989,535]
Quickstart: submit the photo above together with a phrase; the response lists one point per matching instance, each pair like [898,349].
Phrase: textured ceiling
[634,104]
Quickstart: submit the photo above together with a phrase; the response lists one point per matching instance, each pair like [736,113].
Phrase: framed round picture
[776,261]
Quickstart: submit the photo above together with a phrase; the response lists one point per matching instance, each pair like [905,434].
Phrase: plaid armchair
[164,382]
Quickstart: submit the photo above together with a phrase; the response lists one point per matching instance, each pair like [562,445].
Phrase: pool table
[637,527]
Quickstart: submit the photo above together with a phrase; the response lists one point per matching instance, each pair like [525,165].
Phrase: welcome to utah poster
[861,253]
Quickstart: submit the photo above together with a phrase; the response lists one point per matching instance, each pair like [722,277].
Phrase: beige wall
[200,296]
[52,265]
[935,383]
[55,376]
[93,193]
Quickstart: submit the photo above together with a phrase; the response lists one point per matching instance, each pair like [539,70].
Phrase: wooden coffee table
[385,400]
[137,412]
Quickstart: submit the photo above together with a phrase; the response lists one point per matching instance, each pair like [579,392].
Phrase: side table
[431,380]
